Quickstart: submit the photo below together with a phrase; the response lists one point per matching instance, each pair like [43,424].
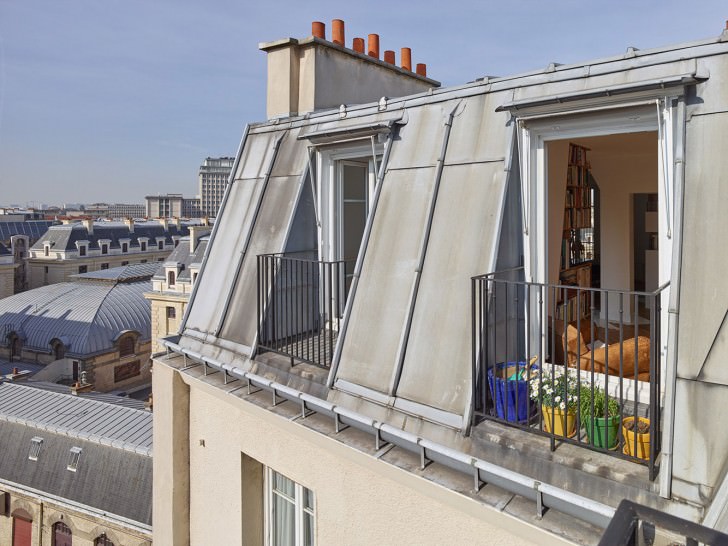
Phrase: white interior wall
[622,165]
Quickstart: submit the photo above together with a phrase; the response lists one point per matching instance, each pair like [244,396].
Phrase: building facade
[87,246]
[65,481]
[7,272]
[173,205]
[173,283]
[405,304]
[213,178]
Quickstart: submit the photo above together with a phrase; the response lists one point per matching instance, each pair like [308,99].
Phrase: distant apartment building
[87,246]
[7,272]
[213,176]
[17,238]
[173,282]
[173,205]
[115,210]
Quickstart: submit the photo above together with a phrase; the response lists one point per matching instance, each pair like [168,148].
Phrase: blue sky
[111,100]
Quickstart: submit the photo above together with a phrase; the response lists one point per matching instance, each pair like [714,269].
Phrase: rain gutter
[482,472]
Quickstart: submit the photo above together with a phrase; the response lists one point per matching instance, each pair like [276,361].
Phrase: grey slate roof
[4,250]
[33,229]
[137,403]
[64,237]
[115,481]
[94,421]
[183,256]
[86,314]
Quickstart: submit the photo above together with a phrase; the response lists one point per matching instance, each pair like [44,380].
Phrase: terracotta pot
[560,422]
[639,448]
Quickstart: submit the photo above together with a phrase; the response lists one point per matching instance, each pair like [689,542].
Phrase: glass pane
[307,498]
[283,484]
[354,221]
[307,529]
[283,521]
[355,182]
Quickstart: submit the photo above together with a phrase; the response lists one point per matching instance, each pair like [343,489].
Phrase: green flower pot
[605,432]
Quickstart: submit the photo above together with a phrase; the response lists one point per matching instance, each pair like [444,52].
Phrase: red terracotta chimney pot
[406,57]
[373,46]
[337,32]
[358,45]
[389,56]
[16,371]
[422,69]
[318,29]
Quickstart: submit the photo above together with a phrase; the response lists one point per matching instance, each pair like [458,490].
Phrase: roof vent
[36,442]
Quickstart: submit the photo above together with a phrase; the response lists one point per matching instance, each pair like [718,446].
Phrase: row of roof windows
[36,445]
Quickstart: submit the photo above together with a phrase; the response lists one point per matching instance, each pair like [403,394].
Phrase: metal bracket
[305,413]
[275,398]
[378,440]
[338,424]
[539,502]
[249,391]
[477,482]
[424,461]
[227,378]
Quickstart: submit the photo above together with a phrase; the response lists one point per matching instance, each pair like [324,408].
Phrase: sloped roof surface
[124,273]
[33,229]
[64,237]
[183,256]
[87,314]
[115,481]
[87,419]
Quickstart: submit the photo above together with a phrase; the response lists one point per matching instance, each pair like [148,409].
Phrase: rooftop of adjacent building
[87,315]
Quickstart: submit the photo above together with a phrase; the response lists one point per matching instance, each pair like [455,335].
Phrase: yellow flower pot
[642,448]
[560,422]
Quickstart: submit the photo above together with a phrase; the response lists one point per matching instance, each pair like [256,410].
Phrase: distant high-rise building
[214,175]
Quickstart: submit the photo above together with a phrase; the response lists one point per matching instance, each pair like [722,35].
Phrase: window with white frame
[290,512]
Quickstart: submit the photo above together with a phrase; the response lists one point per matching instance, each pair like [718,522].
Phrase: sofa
[573,345]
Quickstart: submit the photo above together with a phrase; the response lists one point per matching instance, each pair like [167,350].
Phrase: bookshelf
[578,234]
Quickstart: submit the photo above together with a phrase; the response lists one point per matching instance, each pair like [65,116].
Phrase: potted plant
[557,392]
[599,415]
[636,435]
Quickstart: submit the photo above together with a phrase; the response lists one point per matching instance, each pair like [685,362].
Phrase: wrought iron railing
[578,365]
[637,524]
[300,307]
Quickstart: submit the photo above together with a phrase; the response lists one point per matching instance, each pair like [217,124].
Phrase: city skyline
[109,103]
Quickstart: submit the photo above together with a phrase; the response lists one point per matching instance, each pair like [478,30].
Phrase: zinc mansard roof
[64,237]
[184,257]
[86,315]
[437,222]
[114,470]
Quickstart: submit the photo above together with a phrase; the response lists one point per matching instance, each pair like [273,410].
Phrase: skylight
[73,459]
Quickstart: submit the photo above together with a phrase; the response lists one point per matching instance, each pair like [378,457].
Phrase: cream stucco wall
[7,280]
[359,499]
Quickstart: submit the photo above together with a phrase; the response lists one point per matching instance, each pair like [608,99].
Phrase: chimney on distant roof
[164,222]
[88,223]
[130,224]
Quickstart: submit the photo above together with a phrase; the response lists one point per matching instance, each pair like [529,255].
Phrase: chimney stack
[318,29]
[389,56]
[358,45]
[405,57]
[130,224]
[337,31]
[422,69]
[373,46]
[88,223]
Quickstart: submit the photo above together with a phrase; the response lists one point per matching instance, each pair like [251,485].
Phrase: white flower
[557,399]
[562,405]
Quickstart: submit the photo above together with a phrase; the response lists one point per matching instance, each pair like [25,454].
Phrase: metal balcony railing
[578,365]
[300,307]
[635,524]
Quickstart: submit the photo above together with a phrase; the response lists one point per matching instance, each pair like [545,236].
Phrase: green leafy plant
[600,400]
[556,389]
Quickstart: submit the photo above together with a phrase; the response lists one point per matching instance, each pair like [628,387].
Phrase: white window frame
[299,509]
[330,162]
[36,444]
[74,457]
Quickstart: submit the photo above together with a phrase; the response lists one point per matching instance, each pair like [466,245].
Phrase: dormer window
[143,246]
[124,248]
[82,250]
[46,249]
[73,458]
[104,248]
[126,346]
[170,278]
[36,443]
[160,245]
